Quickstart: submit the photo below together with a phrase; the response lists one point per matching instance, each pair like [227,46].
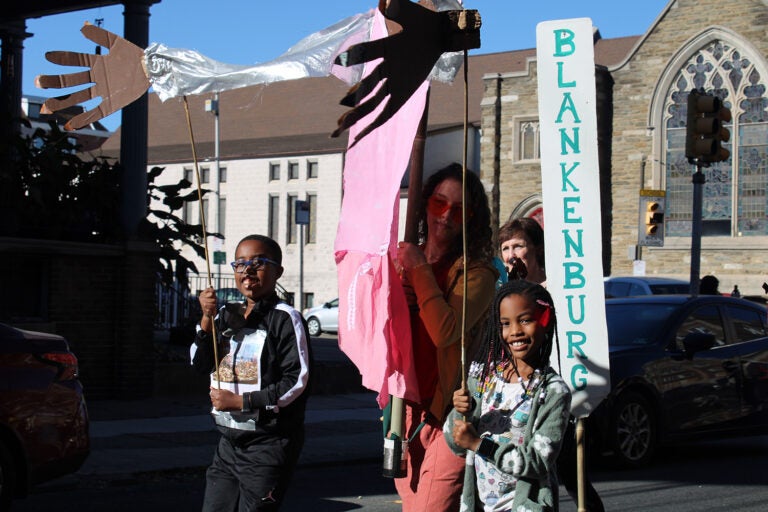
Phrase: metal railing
[178,306]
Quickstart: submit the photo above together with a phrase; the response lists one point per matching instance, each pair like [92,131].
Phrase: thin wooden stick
[464,227]
[205,235]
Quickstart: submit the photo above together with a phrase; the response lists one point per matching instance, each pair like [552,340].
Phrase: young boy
[259,389]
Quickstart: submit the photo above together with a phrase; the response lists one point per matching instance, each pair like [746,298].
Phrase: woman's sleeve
[441,317]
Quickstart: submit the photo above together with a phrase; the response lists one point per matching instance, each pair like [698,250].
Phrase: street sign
[302,212]
[219,257]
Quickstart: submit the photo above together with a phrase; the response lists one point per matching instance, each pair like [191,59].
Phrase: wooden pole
[415,179]
[580,469]
[205,235]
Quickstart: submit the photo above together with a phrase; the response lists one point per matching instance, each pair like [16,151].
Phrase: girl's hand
[462,401]
[225,400]
[465,436]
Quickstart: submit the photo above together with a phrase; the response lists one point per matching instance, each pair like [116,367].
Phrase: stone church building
[642,105]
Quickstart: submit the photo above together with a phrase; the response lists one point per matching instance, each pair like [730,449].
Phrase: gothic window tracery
[734,198]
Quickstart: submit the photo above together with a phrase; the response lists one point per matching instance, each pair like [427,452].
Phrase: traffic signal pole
[704,136]
[698,192]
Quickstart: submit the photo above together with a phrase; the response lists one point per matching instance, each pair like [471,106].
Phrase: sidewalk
[166,433]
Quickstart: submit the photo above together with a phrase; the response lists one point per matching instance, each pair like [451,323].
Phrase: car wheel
[7,478]
[314,326]
[634,430]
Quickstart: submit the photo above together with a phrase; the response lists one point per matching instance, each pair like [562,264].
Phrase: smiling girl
[516,407]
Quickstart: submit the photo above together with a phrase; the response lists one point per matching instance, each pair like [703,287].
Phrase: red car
[43,417]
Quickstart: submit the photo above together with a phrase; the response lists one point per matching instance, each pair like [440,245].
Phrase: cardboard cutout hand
[118,77]
[418,36]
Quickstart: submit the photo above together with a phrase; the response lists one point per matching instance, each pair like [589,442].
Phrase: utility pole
[213,107]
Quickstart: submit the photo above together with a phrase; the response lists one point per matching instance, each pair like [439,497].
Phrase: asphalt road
[713,476]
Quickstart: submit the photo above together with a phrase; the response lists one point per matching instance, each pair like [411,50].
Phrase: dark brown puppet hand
[118,77]
[418,36]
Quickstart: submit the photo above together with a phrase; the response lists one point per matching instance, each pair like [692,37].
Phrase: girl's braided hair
[492,351]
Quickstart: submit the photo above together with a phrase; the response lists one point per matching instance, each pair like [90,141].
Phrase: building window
[734,199]
[222,174]
[312,168]
[312,226]
[274,216]
[528,141]
[189,175]
[291,228]
[222,215]
[309,300]
[204,215]
[187,210]
[293,170]
[205,175]
[274,171]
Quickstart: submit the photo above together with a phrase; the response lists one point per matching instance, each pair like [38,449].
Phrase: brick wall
[99,297]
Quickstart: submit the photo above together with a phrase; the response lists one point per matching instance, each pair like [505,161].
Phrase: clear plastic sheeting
[175,72]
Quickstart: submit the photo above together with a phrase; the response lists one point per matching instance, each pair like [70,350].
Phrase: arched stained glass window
[734,200]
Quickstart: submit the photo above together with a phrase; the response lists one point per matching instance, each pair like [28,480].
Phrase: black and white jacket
[267,355]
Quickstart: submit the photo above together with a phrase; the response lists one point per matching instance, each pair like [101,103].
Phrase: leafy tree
[50,191]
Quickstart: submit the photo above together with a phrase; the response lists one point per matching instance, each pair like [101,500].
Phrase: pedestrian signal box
[650,232]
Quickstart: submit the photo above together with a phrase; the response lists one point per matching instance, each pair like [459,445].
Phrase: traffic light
[705,130]
[651,225]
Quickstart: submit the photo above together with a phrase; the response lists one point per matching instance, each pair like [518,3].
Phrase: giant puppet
[404,45]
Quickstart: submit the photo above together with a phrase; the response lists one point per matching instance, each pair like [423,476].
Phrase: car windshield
[670,289]
[636,324]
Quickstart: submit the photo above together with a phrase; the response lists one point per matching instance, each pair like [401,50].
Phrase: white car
[631,286]
[324,318]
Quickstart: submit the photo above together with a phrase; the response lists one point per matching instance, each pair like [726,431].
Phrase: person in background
[522,248]
[260,387]
[516,407]
[709,285]
[432,275]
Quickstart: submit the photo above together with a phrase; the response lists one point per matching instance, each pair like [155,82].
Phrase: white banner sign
[571,191]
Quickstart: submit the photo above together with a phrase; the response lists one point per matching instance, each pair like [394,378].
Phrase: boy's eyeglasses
[241,266]
[438,207]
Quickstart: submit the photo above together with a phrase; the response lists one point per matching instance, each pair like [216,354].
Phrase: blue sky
[248,31]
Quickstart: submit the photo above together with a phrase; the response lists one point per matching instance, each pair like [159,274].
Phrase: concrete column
[13,34]
[134,134]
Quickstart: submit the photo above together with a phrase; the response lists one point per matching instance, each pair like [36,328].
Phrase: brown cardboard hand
[408,56]
[118,77]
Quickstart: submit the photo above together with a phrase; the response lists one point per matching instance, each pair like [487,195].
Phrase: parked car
[43,415]
[324,318]
[629,286]
[234,295]
[681,367]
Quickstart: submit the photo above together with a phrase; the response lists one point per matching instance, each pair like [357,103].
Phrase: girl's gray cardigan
[533,463]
